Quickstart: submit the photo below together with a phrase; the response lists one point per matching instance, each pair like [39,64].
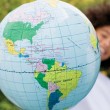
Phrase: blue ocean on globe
[49,56]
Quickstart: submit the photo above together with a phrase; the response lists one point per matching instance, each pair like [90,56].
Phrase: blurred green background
[8,5]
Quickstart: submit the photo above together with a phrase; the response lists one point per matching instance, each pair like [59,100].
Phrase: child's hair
[99,15]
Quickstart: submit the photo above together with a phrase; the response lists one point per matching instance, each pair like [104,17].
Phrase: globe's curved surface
[49,56]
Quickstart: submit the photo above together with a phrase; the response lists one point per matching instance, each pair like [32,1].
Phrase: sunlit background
[8,5]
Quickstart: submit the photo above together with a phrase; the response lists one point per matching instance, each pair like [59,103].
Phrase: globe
[49,56]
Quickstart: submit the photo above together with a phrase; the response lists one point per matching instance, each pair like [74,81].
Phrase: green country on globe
[49,56]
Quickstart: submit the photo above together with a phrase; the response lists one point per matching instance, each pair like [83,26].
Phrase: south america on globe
[49,56]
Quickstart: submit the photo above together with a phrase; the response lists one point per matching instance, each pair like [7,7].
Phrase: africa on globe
[49,56]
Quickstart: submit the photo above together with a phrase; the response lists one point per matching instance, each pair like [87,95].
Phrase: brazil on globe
[49,56]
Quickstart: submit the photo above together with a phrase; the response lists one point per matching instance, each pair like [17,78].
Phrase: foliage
[84,4]
[5,104]
[8,5]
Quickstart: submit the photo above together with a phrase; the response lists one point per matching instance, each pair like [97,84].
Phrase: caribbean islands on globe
[49,56]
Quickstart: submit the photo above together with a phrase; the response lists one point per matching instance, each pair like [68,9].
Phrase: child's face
[104,39]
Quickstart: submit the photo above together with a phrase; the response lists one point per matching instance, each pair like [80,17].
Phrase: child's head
[100,18]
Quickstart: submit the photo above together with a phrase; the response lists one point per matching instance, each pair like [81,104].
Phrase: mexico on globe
[49,56]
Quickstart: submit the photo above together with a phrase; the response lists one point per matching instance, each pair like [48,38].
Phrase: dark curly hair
[99,15]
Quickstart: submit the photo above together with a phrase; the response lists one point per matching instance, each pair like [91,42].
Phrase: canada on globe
[49,56]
